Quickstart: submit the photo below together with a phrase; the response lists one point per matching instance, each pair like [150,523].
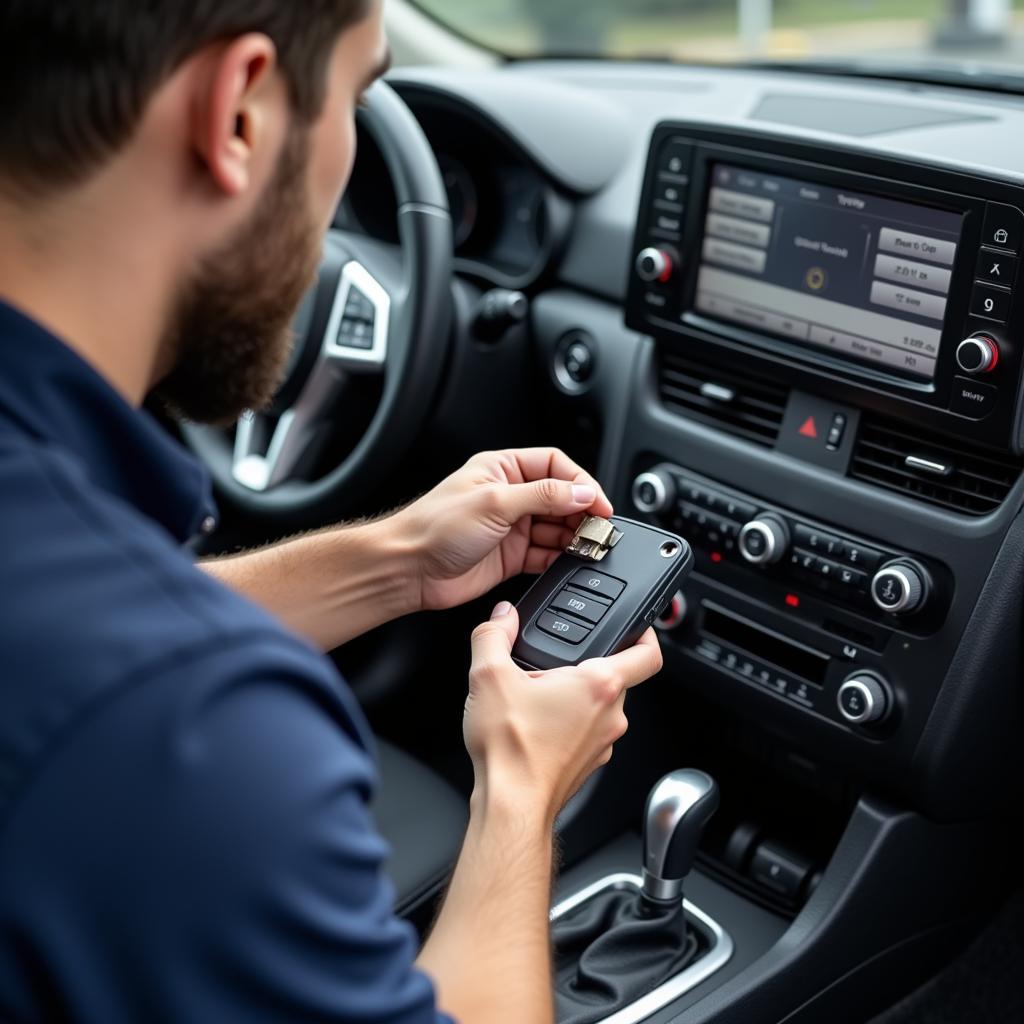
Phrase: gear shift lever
[621,944]
[678,808]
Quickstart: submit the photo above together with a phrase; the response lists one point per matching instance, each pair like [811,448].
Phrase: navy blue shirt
[184,786]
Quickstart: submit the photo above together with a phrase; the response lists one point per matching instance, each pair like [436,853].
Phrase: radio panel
[836,599]
[888,292]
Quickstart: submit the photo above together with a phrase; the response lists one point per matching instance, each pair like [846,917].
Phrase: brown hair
[76,75]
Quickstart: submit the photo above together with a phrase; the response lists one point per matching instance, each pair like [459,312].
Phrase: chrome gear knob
[678,808]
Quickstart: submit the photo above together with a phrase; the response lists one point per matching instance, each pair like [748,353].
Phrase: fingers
[492,640]
[550,535]
[546,497]
[539,560]
[532,465]
[636,663]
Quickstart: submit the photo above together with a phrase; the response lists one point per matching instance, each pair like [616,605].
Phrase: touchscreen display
[861,276]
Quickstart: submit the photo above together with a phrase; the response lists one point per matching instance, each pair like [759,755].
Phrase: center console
[830,412]
[819,386]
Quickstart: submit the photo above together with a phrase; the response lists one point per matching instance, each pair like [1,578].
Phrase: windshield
[987,34]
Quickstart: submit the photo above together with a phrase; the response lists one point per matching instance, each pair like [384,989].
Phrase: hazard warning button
[818,431]
[809,428]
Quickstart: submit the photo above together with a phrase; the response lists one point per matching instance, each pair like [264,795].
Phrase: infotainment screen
[864,277]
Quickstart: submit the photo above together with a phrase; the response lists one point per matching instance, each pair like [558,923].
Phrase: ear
[236,111]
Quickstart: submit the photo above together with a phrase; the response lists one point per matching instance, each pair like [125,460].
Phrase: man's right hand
[535,737]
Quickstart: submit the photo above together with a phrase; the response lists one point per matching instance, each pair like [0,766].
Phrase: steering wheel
[376,321]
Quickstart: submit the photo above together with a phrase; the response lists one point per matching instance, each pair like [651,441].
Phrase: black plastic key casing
[580,609]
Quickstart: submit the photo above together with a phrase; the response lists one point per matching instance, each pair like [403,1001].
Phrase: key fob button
[563,628]
[583,606]
[597,583]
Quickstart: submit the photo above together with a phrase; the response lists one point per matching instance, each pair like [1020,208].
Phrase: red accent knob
[977,354]
[654,265]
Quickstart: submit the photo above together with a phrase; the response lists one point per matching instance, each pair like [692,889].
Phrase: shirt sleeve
[201,849]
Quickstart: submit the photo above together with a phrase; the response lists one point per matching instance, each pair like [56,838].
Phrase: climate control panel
[862,575]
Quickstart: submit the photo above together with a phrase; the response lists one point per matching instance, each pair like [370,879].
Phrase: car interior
[757,275]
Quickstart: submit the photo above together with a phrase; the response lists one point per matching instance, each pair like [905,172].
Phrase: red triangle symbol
[808,429]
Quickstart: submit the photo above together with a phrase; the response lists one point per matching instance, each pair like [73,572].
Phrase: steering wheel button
[591,582]
[562,628]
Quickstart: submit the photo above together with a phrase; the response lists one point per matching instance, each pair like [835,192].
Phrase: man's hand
[534,738]
[502,514]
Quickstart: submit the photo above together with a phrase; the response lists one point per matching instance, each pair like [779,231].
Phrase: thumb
[547,497]
[493,640]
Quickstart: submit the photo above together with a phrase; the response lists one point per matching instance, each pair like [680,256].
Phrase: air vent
[732,400]
[951,474]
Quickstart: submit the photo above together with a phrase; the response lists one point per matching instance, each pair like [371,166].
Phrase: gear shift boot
[615,948]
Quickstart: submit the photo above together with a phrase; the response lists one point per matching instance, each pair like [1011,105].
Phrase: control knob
[863,699]
[977,354]
[654,264]
[764,540]
[653,491]
[899,587]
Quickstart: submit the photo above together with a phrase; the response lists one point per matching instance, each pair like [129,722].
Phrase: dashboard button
[996,267]
[990,303]
[852,580]
[1004,226]
[826,569]
[859,556]
[817,541]
[675,158]
[736,509]
[597,583]
[570,632]
[581,605]
[670,192]
[971,398]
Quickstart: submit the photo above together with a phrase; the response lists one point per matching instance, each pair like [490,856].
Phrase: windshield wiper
[966,76]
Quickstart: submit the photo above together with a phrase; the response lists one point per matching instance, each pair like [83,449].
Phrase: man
[184,833]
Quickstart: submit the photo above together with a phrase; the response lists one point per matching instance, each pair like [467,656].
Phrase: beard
[230,334]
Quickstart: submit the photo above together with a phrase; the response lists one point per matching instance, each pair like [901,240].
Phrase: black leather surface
[614,949]
[423,819]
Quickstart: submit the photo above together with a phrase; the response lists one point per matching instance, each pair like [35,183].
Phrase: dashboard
[508,218]
[797,302]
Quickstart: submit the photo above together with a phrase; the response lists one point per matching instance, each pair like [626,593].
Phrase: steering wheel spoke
[356,338]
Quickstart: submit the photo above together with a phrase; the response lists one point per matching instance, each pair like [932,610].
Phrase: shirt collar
[53,394]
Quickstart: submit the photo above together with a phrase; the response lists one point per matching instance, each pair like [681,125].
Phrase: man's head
[230,123]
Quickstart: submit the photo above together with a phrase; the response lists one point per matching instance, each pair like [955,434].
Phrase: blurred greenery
[663,27]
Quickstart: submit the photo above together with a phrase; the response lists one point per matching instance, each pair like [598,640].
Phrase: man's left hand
[501,514]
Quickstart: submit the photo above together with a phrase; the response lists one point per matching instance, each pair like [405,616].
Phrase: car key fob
[597,598]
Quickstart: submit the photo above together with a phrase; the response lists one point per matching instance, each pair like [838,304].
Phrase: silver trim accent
[717,392]
[659,264]
[770,545]
[909,600]
[690,977]
[927,466]
[661,498]
[874,707]
[354,274]
[259,471]
[661,889]
[988,356]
